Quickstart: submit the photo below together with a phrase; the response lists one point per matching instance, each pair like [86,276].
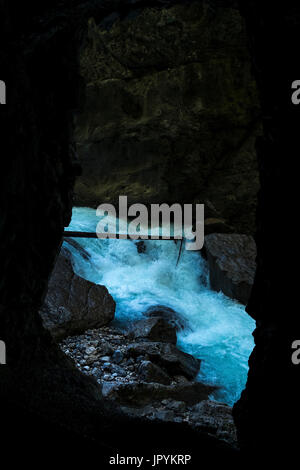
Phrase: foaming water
[218,329]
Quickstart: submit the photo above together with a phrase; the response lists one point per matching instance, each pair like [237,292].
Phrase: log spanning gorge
[216,329]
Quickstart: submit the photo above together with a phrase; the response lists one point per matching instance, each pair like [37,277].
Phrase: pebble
[105,358]
[90,350]
[117,356]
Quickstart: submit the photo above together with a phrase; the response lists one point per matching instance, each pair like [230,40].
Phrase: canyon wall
[267,415]
[171,112]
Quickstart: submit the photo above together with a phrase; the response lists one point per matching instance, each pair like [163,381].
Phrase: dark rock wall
[37,174]
[267,415]
[231,261]
[39,65]
[171,113]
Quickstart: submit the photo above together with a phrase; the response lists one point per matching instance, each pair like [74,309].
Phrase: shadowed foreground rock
[231,260]
[168,357]
[137,394]
[143,389]
[150,372]
[73,304]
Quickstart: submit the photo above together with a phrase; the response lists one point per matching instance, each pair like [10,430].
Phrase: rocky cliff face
[171,112]
[231,261]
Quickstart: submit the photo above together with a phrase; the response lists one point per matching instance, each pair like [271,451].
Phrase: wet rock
[72,304]
[231,259]
[168,314]
[154,329]
[79,249]
[167,356]
[149,372]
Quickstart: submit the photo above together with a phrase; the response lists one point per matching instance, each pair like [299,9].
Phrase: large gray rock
[141,393]
[167,356]
[154,329]
[231,259]
[73,304]
[149,372]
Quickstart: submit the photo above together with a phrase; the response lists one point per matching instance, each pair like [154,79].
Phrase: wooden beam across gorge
[71,234]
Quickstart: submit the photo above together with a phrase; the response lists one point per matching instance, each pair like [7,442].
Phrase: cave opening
[62,396]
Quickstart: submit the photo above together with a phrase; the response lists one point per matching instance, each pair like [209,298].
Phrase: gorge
[217,329]
[39,385]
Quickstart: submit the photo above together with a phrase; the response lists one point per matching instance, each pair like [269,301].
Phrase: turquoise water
[218,329]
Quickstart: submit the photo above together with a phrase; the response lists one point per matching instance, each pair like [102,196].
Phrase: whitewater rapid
[218,329]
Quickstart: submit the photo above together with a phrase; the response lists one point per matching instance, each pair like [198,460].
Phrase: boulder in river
[154,329]
[168,314]
[231,259]
[73,304]
[141,247]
